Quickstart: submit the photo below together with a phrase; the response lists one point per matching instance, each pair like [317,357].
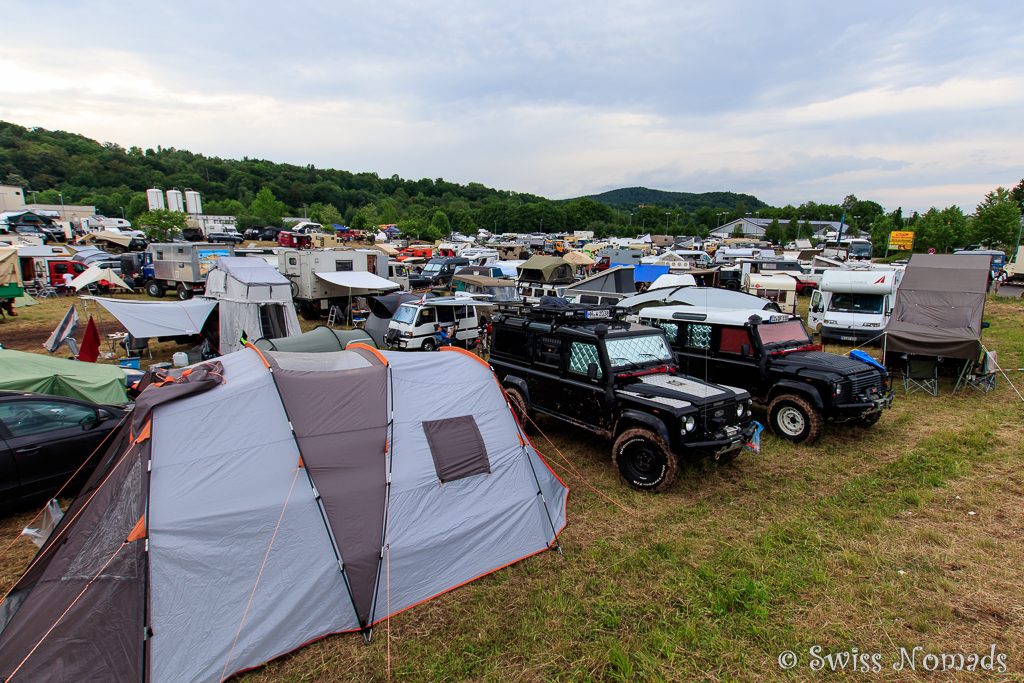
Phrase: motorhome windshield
[637,350]
[432,268]
[790,333]
[856,303]
[859,249]
[405,314]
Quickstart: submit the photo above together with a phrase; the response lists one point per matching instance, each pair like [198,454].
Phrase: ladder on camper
[334,316]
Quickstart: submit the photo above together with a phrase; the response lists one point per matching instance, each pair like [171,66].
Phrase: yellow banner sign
[901,240]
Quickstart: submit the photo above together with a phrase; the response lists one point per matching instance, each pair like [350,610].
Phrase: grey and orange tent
[265,500]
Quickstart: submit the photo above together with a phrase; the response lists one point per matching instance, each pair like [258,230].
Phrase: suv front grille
[864,381]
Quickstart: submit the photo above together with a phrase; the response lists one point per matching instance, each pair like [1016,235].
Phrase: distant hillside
[632,197]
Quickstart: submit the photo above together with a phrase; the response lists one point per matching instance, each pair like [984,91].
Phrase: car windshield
[432,268]
[856,303]
[859,249]
[790,333]
[637,350]
[405,314]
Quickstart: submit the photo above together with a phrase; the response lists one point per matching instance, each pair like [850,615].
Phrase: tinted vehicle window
[427,315]
[23,418]
[734,339]
[548,350]
[446,314]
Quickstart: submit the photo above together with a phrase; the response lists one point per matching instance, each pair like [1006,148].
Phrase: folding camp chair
[982,373]
[921,374]
[135,346]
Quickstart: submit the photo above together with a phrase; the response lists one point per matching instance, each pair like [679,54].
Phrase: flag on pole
[90,350]
[64,331]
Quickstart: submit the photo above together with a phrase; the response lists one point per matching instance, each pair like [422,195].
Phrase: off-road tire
[643,461]
[429,344]
[793,418]
[868,421]
[154,289]
[184,293]
[518,403]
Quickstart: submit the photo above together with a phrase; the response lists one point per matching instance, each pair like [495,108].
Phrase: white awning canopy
[95,274]
[158,318]
[358,282]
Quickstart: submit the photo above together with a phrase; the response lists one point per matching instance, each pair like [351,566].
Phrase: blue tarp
[648,273]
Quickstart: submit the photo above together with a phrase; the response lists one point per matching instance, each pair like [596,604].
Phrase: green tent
[549,269]
[320,340]
[20,371]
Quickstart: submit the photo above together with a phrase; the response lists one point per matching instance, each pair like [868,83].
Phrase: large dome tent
[206,544]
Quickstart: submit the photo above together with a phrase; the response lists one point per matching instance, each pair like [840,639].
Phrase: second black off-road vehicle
[589,368]
[772,356]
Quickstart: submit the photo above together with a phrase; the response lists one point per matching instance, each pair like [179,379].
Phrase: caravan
[853,305]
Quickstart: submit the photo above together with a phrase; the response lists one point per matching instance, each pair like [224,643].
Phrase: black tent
[939,307]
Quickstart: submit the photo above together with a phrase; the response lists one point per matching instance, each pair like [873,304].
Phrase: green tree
[267,207]
[996,220]
[775,233]
[161,225]
[325,214]
[441,224]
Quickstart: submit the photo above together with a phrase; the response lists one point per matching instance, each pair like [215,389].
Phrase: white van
[413,327]
[853,305]
[398,272]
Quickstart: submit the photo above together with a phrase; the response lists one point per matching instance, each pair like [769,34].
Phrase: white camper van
[413,327]
[853,305]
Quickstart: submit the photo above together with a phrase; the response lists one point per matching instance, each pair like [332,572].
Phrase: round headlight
[740,409]
[690,424]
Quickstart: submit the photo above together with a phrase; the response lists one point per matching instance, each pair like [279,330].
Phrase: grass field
[910,534]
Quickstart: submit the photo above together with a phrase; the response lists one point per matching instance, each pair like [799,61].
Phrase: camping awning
[95,274]
[159,318]
[358,282]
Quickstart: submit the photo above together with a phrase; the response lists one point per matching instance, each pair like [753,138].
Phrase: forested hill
[56,165]
[630,197]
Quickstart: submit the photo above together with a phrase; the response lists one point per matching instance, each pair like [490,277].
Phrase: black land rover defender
[772,356]
[588,367]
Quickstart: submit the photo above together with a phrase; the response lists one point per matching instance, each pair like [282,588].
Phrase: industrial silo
[174,201]
[193,203]
[155,199]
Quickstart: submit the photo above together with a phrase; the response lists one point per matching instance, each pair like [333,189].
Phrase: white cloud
[790,101]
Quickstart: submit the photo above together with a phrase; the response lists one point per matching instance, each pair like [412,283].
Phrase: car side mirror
[592,371]
[103,415]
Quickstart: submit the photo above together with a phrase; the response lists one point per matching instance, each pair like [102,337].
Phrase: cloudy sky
[908,103]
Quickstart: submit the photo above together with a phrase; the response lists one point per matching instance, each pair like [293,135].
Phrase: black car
[772,356]
[43,440]
[437,271]
[269,233]
[224,237]
[589,368]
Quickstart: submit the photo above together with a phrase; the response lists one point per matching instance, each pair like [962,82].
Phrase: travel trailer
[780,289]
[853,305]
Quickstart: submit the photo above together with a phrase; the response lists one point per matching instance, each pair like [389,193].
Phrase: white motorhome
[780,289]
[414,325]
[315,295]
[480,256]
[853,305]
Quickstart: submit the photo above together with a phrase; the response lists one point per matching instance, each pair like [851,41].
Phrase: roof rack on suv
[565,314]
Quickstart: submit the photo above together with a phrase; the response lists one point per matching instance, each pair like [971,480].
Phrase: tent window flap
[457,448]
